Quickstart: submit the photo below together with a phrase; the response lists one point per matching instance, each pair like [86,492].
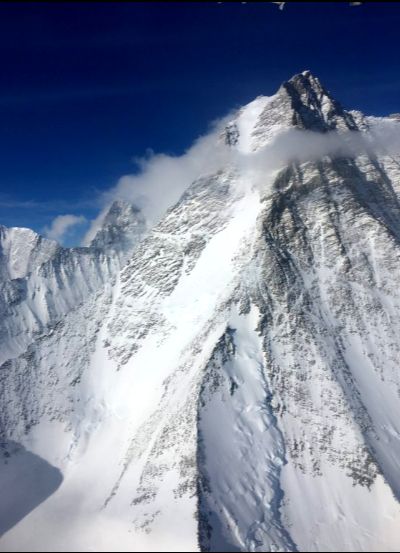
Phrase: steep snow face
[41,281]
[236,388]
[320,367]
[128,366]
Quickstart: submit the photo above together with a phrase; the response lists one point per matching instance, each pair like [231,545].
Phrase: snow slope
[236,386]
[41,281]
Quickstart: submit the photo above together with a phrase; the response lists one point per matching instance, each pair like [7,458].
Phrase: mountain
[235,386]
[40,281]
[120,230]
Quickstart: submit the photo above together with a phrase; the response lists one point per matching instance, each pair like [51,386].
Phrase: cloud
[9,202]
[162,179]
[61,225]
[296,145]
[95,225]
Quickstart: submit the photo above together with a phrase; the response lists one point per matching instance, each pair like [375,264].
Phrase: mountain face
[120,230]
[40,281]
[235,385]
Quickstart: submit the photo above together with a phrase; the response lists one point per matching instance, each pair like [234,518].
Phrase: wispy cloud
[47,206]
[58,95]
[162,178]
[61,95]
[61,225]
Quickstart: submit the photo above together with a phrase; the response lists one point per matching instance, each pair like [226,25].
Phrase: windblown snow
[226,380]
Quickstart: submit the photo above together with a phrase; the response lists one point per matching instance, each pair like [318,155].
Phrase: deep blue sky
[86,87]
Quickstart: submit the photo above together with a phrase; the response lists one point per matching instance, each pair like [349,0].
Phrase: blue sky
[85,88]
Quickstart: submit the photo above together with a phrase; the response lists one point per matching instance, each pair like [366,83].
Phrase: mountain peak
[306,76]
[314,107]
[120,228]
[306,81]
[119,209]
[301,102]
[256,325]
[22,250]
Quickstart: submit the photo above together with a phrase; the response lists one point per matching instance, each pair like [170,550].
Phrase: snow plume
[385,134]
[95,225]
[300,146]
[61,225]
[162,178]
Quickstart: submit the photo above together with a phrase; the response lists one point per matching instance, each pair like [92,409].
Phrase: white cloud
[95,225]
[61,225]
[163,178]
[296,145]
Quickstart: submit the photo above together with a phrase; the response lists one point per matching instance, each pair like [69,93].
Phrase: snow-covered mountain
[235,386]
[40,281]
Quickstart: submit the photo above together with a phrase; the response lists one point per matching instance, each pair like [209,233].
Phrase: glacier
[227,379]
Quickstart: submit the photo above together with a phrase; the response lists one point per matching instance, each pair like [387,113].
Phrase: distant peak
[120,227]
[119,207]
